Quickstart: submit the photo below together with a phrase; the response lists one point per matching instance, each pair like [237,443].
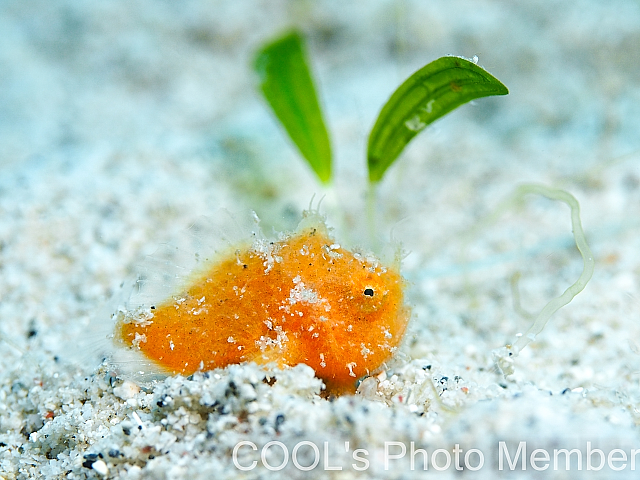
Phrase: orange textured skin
[303,299]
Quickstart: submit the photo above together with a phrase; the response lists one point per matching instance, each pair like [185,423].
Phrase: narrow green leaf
[286,83]
[428,94]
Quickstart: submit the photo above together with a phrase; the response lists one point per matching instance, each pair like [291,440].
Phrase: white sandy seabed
[122,123]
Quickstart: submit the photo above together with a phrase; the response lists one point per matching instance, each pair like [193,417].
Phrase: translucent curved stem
[504,355]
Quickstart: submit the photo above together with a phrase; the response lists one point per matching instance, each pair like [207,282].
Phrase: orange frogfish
[300,299]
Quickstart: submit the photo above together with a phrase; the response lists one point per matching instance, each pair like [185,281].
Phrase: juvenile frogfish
[300,299]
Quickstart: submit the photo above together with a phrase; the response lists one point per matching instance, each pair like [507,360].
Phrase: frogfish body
[301,299]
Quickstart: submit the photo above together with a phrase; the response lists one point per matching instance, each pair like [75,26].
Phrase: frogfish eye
[368,292]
